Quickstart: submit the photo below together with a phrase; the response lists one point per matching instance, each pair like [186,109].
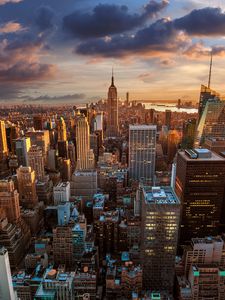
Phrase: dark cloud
[159,37]
[45,18]
[66,98]
[24,72]
[207,21]
[107,19]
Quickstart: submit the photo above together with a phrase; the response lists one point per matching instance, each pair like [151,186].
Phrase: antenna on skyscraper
[112,76]
[210,69]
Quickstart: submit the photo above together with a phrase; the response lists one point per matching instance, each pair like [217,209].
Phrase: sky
[56,52]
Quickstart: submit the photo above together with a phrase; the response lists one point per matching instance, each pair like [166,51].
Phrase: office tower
[112,110]
[84,184]
[3,141]
[85,156]
[127,99]
[142,152]
[22,147]
[160,216]
[26,184]
[72,154]
[189,128]
[13,133]
[36,162]
[63,149]
[9,200]
[206,94]
[61,193]
[38,122]
[62,130]
[168,115]
[51,161]
[212,122]
[40,138]
[6,287]
[173,141]
[63,245]
[215,144]
[200,184]
[78,236]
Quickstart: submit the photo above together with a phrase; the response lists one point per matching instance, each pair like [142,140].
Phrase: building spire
[112,83]
[210,69]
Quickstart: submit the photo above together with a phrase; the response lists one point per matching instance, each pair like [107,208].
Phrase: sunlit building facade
[3,141]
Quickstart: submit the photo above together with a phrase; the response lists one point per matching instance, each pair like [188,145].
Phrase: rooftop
[142,127]
[160,195]
[200,155]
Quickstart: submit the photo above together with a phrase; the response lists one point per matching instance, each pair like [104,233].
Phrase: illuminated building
[41,139]
[36,162]
[206,94]
[9,200]
[189,128]
[173,141]
[6,287]
[142,152]
[85,156]
[26,184]
[112,111]
[200,179]
[160,216]
[62,130]
[212,121]
[3,141]
[22,147]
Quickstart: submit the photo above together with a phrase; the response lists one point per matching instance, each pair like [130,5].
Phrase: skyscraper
[9,200]
[168,115]
[112,104]
[6,287]
[200,186]
[142,152]
[27,189]
[22,147]
[3,141]
[62,130]
[206,94]
[160,215]
[36,162]
[85,156]
[212,122]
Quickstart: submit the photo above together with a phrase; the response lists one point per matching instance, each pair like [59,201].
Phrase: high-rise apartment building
[3,141]
[142,152]
[160,216]
[22,147]
[85,156]
[112,111]
[36,162]
[26,184]
[200,186]
[9,200]
[6,286]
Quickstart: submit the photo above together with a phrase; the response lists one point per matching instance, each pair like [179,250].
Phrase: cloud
[2,2]
[10,27]
[44,18]
[206,22]
[66,98]
[107,19]
[199,50]
[159,37]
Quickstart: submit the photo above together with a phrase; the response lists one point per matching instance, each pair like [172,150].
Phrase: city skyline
[57,52]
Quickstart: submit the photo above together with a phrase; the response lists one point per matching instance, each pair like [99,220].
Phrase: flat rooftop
[200,155]
[207,240]
[143,127]
[160,195]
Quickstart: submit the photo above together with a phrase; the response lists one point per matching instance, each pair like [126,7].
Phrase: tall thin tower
[210,69]
[112,122]
[3,142]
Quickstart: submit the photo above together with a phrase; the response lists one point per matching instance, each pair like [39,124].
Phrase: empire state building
[112,121]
